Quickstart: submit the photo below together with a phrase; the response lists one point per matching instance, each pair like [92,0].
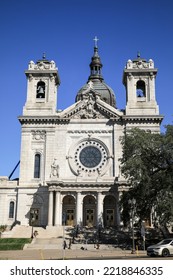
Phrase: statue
[54,169]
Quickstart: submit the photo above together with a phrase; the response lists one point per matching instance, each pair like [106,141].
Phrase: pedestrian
[64,245]
[77,230]
[70,242]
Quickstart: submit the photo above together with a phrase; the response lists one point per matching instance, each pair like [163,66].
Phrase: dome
[105,92]
[139,59]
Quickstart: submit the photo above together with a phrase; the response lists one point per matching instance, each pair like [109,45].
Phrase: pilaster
[50,211]
[100,198]
[79,208]
[57,208]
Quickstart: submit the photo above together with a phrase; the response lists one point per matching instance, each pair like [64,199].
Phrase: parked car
[164,248]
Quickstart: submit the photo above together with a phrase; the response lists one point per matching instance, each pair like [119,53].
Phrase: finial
[95,41]
[44,56]
[138,54]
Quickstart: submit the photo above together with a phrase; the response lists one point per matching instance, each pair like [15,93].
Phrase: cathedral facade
[69,165]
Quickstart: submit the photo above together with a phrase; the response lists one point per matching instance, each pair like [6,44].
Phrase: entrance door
[110,211]
[70,217]
[109,217]
[68,210]
[89,217]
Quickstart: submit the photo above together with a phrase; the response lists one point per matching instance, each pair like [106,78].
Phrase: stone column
[60,209]
[100,198]
[79,210]
[57,208]
[50,212]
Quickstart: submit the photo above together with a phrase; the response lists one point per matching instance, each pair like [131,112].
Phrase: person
[70,242]
[77,230]
[64,245]
[97,246]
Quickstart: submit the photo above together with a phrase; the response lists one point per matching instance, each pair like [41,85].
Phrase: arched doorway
[110,211]
[68,211]
[89,211]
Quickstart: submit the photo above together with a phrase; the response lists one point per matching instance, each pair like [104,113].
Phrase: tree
[147,165]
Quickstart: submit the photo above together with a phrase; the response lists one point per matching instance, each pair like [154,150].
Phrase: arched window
[140,89]
[11,210]
[37,163]
[40,90]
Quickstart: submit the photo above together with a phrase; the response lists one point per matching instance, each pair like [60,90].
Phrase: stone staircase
[50,238]
[57,244]
[45,243]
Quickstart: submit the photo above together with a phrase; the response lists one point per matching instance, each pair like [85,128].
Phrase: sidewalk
[53,254]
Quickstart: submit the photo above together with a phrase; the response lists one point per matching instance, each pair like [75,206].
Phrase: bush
[3,228]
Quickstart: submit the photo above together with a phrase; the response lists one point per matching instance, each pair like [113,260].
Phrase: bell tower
[139,81]
[43,81]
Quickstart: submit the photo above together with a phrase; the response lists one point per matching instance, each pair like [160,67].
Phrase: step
[57,244]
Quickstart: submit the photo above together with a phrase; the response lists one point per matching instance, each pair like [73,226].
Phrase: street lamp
[32,224]
[33,213]
[143,233]
[64,242]
[132,203]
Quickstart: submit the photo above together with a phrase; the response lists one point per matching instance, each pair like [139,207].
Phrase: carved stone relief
[38,134]
[41,65]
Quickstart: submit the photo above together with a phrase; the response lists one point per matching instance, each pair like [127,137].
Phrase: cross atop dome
[95,41]
[44,56]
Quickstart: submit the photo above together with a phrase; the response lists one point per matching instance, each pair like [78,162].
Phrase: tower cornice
[142,119]
[42,120]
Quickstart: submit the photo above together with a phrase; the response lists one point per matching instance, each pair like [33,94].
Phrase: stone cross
[95,40]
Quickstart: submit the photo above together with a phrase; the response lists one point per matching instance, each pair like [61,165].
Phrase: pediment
[91,108]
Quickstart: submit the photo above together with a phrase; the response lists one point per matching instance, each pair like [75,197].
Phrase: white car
[164,248]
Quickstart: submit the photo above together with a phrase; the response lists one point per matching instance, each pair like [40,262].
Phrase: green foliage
[2,228]
[147,164]
[13,243]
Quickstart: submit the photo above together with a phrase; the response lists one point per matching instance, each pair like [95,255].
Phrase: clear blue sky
[64,30]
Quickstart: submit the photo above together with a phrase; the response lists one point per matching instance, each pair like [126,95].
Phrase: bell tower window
[37,165]
[140,89]
[40,90]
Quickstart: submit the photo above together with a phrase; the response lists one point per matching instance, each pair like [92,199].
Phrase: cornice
[59,119]
[140,118]
[42,120]
[80,184]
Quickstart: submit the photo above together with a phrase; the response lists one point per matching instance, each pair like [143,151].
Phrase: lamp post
[33,219]
[132,203]
[32,224]
[143,233]
[64,242]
